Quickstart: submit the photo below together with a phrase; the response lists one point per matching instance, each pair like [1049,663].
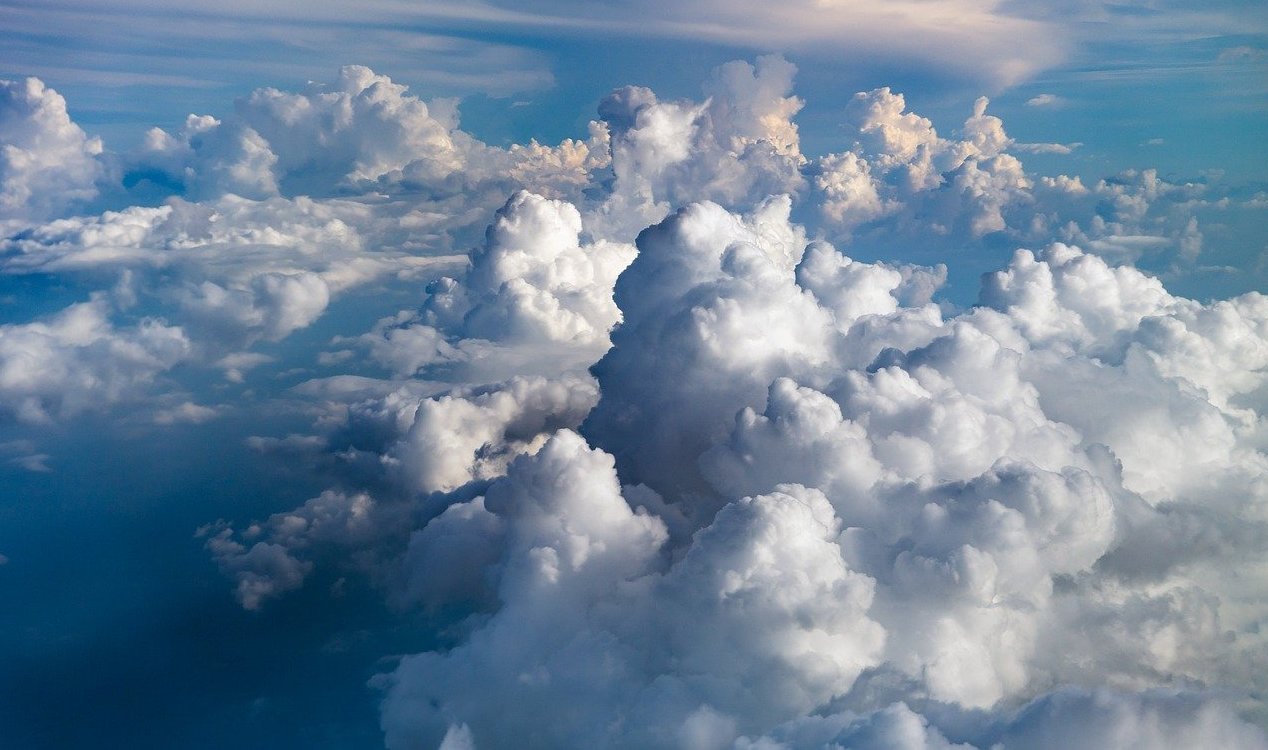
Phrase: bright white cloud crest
[46,161]
[669,467]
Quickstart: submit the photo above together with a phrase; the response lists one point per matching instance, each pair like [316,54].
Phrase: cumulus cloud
[366,124]
[461,436]
[737,147]
[922,469]
[781,597]
[240,251]
[664,465]
[47,162]
[226,273]
[267,559]
[361,132]
[77,361]
[536,298]
[901,166]
[902,179]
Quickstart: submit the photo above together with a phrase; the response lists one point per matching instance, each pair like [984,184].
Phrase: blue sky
[633,374]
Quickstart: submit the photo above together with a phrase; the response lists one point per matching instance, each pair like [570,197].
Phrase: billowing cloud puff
[77,361]
[533,280]
[360,133]
[366,124]
[567,530]
[534,293]
[737,147]
[767,645]
[710,298]
[899,163]
[902,179]
[460,437]
[47,162]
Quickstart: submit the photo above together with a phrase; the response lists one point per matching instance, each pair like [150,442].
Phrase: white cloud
[460,437]
[1045,100]
[186,412]
[1160,719]
[534,297]
[737,147]
[970,520]
[1046,148]
[361,132]
[47,162]
[77,361]
[229,272]
[709,482]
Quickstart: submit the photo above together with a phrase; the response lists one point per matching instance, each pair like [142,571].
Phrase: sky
[691,375]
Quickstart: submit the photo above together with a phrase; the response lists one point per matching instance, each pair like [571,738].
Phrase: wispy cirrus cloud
[450,43]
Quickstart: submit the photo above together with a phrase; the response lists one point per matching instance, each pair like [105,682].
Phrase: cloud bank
[655,461]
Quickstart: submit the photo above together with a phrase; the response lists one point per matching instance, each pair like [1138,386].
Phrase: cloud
[558,544]
[947,520]
[457,438]
[265,560]
[1242,53]
[37,462]
[901,168]
[535,298]
[240,255]
[77,361]
[990,44]
[1045,100]
[47,163]
[658,461]
[1156,719]
[1047,148]
[737,147]
[165,49]
[1093,718]
[361,132]
[187,412]
[902,179]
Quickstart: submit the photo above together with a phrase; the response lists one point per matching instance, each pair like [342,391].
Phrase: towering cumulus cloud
[47,162]
[654,462]
[852,507]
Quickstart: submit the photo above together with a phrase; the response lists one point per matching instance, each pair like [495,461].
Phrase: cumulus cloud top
[47,162]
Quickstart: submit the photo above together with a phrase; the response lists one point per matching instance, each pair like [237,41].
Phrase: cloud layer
[654,461]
